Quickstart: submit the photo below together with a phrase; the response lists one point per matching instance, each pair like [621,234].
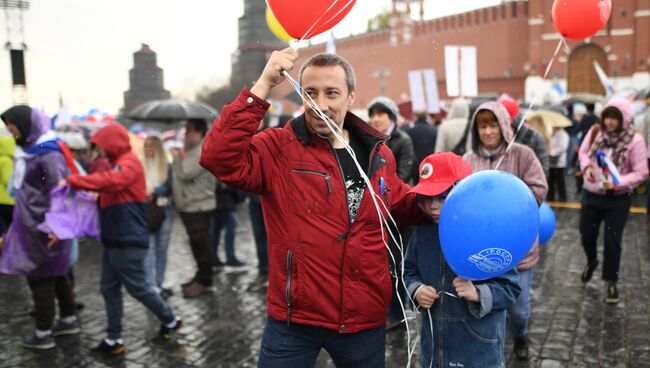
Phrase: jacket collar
[355,125]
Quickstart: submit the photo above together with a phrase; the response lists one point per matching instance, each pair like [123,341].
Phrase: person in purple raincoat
[39,166]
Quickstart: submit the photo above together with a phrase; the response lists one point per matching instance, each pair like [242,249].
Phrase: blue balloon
[489,222]
[546,223]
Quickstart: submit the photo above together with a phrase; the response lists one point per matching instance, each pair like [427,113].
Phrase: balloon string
[383,222]
[530,106]
[296,44]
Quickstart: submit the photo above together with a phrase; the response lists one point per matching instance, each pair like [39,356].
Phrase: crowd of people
[334,278]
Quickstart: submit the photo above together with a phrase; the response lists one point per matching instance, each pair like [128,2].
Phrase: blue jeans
[297,346]
[519,313]
[227,219]
[158,243]
[259,232]
[126,266]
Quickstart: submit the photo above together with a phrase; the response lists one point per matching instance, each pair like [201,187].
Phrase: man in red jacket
[329,284]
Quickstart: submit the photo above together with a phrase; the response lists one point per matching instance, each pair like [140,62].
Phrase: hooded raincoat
[452,129]
[635,165]
[122,198]
[25,247]
[520,161]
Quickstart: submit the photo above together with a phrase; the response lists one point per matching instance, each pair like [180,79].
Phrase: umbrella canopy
[584,98]
[644,94]
[172,110]
[551,118]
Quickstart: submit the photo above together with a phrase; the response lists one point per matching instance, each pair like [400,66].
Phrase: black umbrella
[644,94]
[172,110]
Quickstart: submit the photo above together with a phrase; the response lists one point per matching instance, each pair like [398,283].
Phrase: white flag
[331,45]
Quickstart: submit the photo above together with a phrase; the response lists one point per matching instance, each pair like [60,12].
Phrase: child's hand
[466,289]
[426,296]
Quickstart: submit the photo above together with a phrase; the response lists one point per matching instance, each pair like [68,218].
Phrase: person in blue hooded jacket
[463,322]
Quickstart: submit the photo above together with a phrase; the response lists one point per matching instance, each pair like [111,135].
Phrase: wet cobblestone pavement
[571,324]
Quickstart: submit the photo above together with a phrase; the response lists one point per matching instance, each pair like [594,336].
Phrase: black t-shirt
[354,184]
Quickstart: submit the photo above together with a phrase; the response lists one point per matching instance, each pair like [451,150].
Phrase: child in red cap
[467,318]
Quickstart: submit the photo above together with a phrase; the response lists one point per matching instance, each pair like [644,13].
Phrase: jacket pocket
[325,176]
[472,346]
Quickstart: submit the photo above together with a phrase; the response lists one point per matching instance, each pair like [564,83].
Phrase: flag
[609,89]
[331,45]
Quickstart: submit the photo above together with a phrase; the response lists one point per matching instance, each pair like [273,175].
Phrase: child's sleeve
[496,294]
[412,277]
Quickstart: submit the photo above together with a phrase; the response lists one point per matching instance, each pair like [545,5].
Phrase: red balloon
[306,19]
[579,19]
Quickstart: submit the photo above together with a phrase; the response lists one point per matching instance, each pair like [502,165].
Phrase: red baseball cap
[511,105]
[439,172]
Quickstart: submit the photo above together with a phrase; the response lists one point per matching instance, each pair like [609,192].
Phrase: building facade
[515,42]
[256,43]
[145,80]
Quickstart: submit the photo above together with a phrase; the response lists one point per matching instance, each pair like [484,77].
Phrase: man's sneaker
[195,290]
[521,347]
[62,328]
[34,342]
[165,293]
[612,294]
[235,263]
[166,333]
[105,348]
[588,271]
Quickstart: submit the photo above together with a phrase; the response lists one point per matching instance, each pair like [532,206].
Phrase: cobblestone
[571,325]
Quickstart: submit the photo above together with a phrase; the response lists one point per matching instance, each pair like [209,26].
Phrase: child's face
[432,206]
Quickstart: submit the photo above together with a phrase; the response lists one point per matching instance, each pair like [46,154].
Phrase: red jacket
[122,190]
[323,271]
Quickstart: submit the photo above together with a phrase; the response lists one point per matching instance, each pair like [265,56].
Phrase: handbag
[155,215]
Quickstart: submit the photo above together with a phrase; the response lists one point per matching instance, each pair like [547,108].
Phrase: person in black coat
[423,135]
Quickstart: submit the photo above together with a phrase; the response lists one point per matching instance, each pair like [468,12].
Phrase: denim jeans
[297,346]
[227,219]
[259,232]
[126,266]
[519,313]
[158,243]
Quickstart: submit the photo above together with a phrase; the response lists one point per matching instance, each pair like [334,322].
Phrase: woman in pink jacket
[602,198]
[491,132]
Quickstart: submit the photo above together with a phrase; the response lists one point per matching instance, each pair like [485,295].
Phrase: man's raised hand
[272,75]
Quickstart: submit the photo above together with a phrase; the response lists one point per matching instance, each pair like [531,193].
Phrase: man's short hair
[198,125]
[331,60]
[591,107]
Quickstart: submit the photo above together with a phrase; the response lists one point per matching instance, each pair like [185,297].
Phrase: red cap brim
[431,189]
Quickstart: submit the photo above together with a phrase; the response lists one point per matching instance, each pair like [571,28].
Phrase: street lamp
[381,73]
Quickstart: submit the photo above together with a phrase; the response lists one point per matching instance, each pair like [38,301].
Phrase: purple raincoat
[24,250]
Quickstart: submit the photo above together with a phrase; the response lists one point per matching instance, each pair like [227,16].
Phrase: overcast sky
[83,49]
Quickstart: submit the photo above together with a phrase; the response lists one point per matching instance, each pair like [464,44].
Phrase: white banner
[451,71]
[468,72]
[431,87]
[418,101]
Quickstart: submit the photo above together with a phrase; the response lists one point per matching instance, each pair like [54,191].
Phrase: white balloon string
[530,106]
[343,8]
[337,132]
[432,343]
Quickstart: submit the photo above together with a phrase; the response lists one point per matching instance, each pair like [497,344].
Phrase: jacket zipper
[325,176]
[288,291]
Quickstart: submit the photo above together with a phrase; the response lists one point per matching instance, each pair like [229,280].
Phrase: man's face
[15,132]
[489,132]
[327,87]
[192,137]
[380,121]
